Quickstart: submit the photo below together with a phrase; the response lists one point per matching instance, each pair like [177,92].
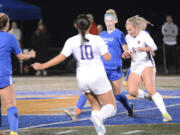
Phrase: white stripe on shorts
[10,79]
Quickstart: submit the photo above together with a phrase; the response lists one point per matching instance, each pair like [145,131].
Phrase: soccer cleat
[130,111]
[125,83]
[167,117]
[13,133]
[72,114]
[99,126]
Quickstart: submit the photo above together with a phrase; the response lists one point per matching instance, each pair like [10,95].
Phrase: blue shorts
[5,81]
[114,74]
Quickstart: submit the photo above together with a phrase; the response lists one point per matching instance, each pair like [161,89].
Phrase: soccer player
[143,67]
[115,40]
[9,44]
[91,76]
[143,25]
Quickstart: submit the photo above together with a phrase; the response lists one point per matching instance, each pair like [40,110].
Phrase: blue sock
[13,118]
[124,100]
[81,101]
[127,74]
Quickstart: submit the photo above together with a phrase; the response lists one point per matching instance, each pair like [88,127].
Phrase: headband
[110,15]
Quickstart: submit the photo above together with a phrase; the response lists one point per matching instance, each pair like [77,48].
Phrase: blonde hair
[141,19]
[112,12]
[138,20]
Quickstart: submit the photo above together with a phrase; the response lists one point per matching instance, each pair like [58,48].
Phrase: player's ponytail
[138,20]
[83,24]
[3,20]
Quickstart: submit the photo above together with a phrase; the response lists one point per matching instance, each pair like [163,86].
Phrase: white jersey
[90,69]
[143,39]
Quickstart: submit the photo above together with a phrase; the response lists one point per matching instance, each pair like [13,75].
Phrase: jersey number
[134,50]
[86,52]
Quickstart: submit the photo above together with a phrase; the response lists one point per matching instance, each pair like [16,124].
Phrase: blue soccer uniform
[115,41]
[8,44]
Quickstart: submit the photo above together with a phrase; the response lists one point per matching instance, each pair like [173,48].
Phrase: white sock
[97,120]
[95,113]
[141,94]
[107,111]
[158,100]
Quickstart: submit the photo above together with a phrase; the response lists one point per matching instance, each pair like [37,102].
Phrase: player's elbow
[107,56]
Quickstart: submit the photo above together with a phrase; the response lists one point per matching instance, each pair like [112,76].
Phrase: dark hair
[83,24]
[3,20]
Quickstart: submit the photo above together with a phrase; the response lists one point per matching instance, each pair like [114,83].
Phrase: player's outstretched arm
[54,61]
[27,56]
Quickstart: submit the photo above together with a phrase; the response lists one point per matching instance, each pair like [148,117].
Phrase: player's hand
[31,54]
[126,55]
[37,66]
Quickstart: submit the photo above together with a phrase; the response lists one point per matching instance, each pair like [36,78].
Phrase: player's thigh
[134,83]
[115,77]
[117,86]
[148,76]
[107,98]
[93,100]
[8,96]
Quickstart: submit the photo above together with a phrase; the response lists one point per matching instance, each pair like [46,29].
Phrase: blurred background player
[115,40]
[143,67]
[170,46]
[41,40]
[93,27]
[91,75]
[16,32]
[8,44]
[99,29]
[143,24]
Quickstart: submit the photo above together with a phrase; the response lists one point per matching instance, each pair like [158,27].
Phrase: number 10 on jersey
[86,52]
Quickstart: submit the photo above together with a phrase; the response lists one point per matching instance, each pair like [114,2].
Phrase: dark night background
[59,18]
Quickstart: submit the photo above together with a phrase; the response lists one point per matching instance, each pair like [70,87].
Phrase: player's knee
[133,93]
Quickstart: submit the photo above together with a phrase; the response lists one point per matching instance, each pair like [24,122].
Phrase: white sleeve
[103,47]
[67,49]
[150,42]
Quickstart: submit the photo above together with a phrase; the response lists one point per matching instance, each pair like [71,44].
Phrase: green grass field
[149,129]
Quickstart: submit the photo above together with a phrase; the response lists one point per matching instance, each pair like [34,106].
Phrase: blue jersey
[114,40]
[8,44]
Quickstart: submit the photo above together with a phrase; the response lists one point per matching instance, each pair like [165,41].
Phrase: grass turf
[149,129]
